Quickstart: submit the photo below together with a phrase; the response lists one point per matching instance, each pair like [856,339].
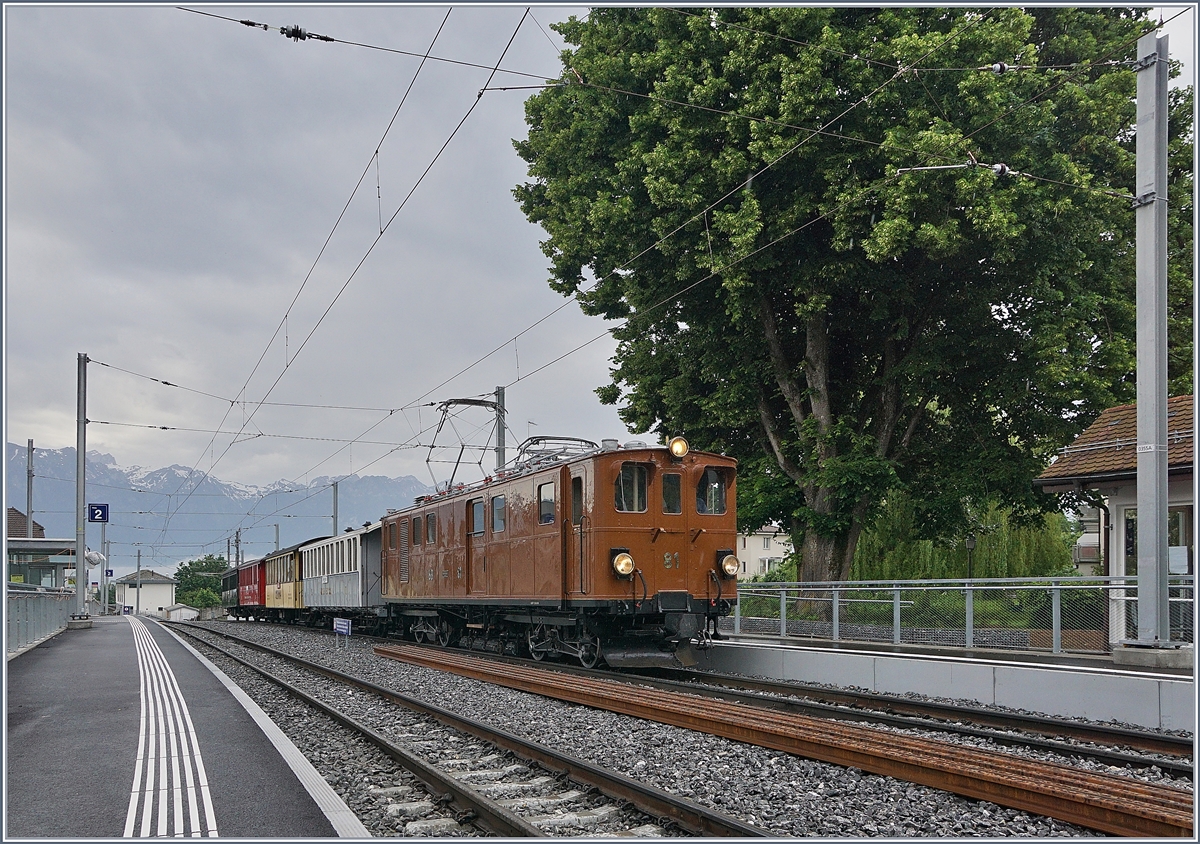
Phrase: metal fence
[1084,614]
[35,612]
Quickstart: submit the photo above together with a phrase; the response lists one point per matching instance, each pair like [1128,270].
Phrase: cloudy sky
[171,179]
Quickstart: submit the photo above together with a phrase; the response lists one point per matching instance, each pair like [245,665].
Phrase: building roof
[149,577]
[17,525]
[1107,450]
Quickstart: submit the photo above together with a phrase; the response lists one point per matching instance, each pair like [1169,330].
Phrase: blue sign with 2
[97,512]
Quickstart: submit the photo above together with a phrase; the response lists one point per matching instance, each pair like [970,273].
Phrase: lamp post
[970,543]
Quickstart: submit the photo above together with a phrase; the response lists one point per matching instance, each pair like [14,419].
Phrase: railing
[34,612]
[1056,614]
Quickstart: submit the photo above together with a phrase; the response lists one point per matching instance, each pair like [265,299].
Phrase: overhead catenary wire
[375,242]
[320,253]
[250,436]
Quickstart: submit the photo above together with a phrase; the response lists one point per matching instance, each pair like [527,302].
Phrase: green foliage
[893,547]
[843,329]
[199,575]
[198,598]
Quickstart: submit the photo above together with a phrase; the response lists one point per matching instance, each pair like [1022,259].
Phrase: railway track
[952,715]
[512,787]
[1171,754]
[1098,801]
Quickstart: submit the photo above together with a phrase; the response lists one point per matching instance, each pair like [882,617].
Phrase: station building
[158,591]
[1104,458]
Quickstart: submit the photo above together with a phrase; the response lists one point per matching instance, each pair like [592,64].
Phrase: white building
[762,549]
[180,612]
[157,591]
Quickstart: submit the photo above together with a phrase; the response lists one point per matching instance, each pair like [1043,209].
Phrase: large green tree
[200,581]
[804,301]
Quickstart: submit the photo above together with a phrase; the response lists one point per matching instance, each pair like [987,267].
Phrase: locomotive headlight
[623,565]
[730,565]
[678,446]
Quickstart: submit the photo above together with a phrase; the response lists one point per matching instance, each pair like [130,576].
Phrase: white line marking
[345,823]
[168,746]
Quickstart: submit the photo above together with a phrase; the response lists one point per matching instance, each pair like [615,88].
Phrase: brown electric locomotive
[622,554]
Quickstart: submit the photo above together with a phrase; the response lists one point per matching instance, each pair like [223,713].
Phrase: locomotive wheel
[589,650]
[444,633]
[418,636]
[536,634]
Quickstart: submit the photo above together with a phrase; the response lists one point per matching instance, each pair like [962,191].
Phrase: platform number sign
[97,512]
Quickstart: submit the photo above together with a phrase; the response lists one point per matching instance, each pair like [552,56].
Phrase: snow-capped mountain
[173,514]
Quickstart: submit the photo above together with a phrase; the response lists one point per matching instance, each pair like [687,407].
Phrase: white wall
[757,549]
[154,596]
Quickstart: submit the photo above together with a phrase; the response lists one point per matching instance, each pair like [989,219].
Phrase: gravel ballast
[785,794]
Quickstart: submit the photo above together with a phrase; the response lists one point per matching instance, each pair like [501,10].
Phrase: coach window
[630,488]
[498,514]
[431,528]
[672,494]
[416,531]
[576,501]
[475,512]
[546,503]
[710,492]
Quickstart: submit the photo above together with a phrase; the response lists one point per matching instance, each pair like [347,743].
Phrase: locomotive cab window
[672,494]
[629,491]
[710,492]
[546,504]
[498,514]
[392,535]
[416,531]
[475,514]
[431,528]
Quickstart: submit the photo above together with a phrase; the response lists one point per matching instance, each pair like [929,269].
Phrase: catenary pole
[29,491]
[335,509]
[138,600]
[104,569]
[499,428]
[1154,623]
[80,485]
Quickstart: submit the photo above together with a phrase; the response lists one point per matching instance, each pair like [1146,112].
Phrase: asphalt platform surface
[74,719]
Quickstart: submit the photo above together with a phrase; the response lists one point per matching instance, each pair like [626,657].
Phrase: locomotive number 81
[621,554]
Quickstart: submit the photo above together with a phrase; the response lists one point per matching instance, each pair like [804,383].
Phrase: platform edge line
[345,823]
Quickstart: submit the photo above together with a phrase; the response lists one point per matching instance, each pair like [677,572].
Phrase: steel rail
[1098,801]
[469,803]
[1043,725]
[687,814]
[866,715]
[725,687]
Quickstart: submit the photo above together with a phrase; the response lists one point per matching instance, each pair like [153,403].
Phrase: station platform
[1060,685]
[121,730]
